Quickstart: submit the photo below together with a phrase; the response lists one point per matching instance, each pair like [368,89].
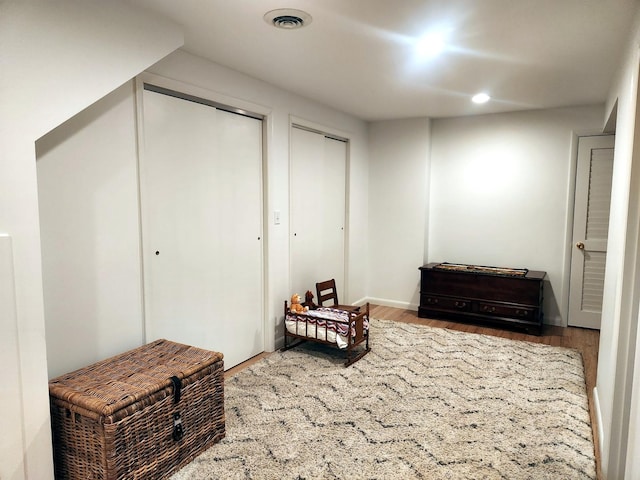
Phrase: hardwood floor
[584,340]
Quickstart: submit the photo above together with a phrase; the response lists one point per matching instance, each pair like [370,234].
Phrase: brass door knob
[580,245]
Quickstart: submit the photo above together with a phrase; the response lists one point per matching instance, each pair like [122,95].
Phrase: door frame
[233,105]
[572,239]
[568,234]
[298,122]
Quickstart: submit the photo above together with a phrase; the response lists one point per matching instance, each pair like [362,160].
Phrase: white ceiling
[358,56]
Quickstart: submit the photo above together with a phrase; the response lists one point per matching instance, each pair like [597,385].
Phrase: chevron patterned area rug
[426,403]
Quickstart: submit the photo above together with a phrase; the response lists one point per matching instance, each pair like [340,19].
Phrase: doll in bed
[296,306]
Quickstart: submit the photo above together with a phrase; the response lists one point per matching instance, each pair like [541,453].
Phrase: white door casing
[201,189]
[590,229]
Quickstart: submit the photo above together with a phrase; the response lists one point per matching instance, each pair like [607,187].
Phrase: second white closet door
[202,201]
[318,210]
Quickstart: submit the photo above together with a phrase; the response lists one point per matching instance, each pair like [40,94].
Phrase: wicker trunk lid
[142,414]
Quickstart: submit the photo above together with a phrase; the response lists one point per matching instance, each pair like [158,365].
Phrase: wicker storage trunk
[139,415]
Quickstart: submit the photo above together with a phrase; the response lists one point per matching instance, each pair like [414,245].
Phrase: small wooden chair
[331,293]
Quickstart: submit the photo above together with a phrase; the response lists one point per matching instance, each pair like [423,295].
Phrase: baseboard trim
[361,301]
[557,321]
[598,419]
[392,303]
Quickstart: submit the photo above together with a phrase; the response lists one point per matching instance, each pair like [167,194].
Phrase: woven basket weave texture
[116,419]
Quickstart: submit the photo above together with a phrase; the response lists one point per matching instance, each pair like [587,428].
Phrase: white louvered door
[590,230]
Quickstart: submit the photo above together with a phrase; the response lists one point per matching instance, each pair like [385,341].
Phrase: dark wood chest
[505,297]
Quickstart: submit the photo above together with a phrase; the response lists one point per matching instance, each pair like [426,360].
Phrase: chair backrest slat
[330,292]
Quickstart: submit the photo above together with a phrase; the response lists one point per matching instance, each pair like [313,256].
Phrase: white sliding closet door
[318,210]
[201,188]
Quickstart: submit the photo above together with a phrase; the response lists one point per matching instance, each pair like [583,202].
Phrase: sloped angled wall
[56,58]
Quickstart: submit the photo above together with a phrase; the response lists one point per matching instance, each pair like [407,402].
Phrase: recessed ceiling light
[430,45]
[287,18]
[480,98]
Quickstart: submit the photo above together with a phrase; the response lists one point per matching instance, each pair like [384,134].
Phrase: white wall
[501,192]
[232,88]
[10,389]
[47,45]
[83,62]
[398,210]
[57,58]
[87,173]
[617,393]
[89,228]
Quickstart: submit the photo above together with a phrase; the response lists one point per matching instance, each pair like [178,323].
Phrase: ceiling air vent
[287,18]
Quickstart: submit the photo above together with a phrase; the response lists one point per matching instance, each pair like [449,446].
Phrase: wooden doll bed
[348,331]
